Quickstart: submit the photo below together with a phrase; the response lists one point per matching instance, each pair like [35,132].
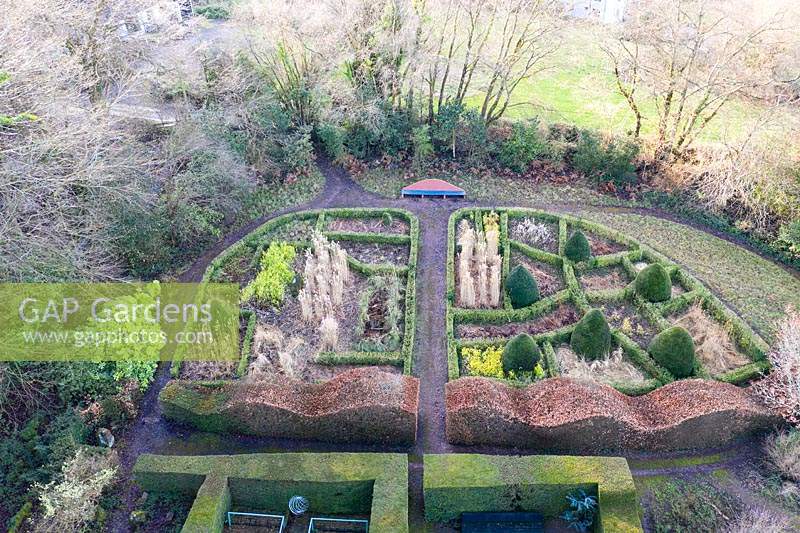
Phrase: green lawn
[579,88]
[487,187]
[757,289]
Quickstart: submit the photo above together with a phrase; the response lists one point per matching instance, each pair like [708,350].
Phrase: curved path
[150,433]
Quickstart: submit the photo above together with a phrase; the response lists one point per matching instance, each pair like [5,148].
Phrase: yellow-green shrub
[276,272]
[487,363]
[491,222]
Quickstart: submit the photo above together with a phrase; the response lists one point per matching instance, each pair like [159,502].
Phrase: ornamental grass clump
[269,285]
[673,349]
[479,267]
[325,275]
[653,283]
[329,333]
[521,354]
[522,287]
[591,337]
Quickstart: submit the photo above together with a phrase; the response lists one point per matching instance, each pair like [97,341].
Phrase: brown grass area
[604,278]
[614,369]
[712,342]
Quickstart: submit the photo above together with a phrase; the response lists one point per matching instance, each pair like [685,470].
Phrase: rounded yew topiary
[577,248]
[673,349]
[522,287]
[654,284]
[591,337]
[521,354]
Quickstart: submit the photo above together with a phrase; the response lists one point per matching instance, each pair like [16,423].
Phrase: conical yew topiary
[577,248]
[673,349]
[591,337]
[521,354]
[653,283]
[522,287]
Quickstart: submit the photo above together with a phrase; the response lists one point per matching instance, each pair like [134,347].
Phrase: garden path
[151,433]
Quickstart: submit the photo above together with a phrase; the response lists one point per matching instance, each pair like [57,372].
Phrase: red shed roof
[433,185]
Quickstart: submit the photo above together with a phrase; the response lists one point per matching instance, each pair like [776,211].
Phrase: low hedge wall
[334,483]
[363,405]
[657,314]
[460,483]
[583,417]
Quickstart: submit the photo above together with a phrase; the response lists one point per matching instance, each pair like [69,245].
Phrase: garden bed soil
[601,279]
[549,278]
[286,327]
[377,253]
[563,315]
[369,225]
[713,344]
[295,230]
[549,242]
[617,369]
[601,245]
[625,317]
[214,370]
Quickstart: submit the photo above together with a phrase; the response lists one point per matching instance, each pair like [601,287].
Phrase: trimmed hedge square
[622,256]
[334,483]
[460,483]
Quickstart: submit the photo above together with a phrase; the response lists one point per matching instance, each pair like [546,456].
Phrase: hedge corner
[458,483]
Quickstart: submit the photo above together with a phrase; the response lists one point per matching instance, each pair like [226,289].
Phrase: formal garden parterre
[532,295]
[325,293]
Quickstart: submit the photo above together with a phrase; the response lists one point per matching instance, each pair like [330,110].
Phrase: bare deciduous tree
[487,48]
[678,63]
[64,160]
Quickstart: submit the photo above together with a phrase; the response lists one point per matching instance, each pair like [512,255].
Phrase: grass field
[579,88]
[487,187]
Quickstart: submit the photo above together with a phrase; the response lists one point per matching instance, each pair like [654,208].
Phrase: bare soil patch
[601,245]
[369,225]
[563,315]
[377,253]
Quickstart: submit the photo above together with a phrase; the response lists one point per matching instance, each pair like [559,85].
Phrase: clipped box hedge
[460,483]
[657,314]
[334,483]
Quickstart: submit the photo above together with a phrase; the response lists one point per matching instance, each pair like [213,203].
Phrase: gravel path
[150,433]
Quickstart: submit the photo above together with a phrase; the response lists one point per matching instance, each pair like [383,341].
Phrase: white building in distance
[606,11]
